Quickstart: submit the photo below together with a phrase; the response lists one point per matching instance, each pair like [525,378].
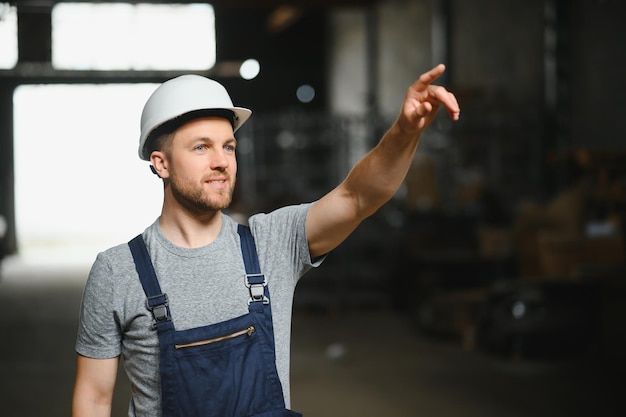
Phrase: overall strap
[254,279]
[259,302]
[156,300]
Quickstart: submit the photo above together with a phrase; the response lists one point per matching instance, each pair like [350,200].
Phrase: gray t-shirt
[204,286]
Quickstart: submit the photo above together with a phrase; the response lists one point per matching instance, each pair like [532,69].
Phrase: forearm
[380,173]
[83,407]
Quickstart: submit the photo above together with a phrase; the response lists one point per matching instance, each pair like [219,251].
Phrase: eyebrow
[209,140]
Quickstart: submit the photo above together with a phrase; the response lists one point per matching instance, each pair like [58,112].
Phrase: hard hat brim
[239,116]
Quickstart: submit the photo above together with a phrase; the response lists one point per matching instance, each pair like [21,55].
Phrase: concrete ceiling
[271,4]
[224,4]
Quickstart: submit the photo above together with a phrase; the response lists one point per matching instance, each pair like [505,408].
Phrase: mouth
[218,183]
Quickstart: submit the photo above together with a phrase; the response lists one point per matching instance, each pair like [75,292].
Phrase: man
[201,332]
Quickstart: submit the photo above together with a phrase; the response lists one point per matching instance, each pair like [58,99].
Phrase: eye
[229,148]
[199,148]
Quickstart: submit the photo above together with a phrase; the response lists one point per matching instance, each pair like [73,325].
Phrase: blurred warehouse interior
[508,235]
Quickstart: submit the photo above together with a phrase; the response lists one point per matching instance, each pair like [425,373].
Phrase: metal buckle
[257,288]
[158,306]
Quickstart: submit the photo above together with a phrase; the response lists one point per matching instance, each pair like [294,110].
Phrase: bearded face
[210,193]
[199,166]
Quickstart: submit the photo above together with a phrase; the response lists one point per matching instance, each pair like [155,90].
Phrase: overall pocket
[223,372]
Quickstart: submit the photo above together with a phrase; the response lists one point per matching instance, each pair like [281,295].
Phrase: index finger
[427,78]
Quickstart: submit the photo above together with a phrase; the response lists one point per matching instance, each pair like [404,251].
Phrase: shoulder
[283,229]
[114,256]
[285,216]
[112,267]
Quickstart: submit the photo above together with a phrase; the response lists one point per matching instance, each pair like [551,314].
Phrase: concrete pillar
[8,243]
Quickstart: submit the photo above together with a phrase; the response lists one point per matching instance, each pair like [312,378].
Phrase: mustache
[219,177]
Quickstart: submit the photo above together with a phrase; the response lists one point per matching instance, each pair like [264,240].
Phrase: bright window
[79,183]
[121,36]
[8,36]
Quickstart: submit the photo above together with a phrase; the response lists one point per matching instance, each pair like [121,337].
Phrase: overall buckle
[256,283]
[158,306]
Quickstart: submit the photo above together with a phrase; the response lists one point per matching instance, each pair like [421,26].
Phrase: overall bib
[220,370]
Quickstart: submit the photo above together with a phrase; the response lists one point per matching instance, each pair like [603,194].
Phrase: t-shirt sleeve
[99,334]
[283,231]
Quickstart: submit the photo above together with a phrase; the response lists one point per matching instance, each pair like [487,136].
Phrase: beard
[195,197]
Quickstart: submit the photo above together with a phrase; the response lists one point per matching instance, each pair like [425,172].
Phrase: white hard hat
[187,95]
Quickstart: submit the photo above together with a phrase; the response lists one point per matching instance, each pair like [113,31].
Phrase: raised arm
[93,390]
[377,176]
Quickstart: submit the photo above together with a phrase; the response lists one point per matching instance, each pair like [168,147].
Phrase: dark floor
[343,364]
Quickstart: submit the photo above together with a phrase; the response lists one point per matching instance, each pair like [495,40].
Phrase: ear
[159,164]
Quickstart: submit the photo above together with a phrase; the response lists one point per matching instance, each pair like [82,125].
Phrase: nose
[219,160]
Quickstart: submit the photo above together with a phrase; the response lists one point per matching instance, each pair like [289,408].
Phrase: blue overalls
[220,370]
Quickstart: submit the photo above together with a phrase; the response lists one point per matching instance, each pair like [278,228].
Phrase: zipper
[247,331]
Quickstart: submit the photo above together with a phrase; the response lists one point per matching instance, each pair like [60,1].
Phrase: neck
[189,230]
